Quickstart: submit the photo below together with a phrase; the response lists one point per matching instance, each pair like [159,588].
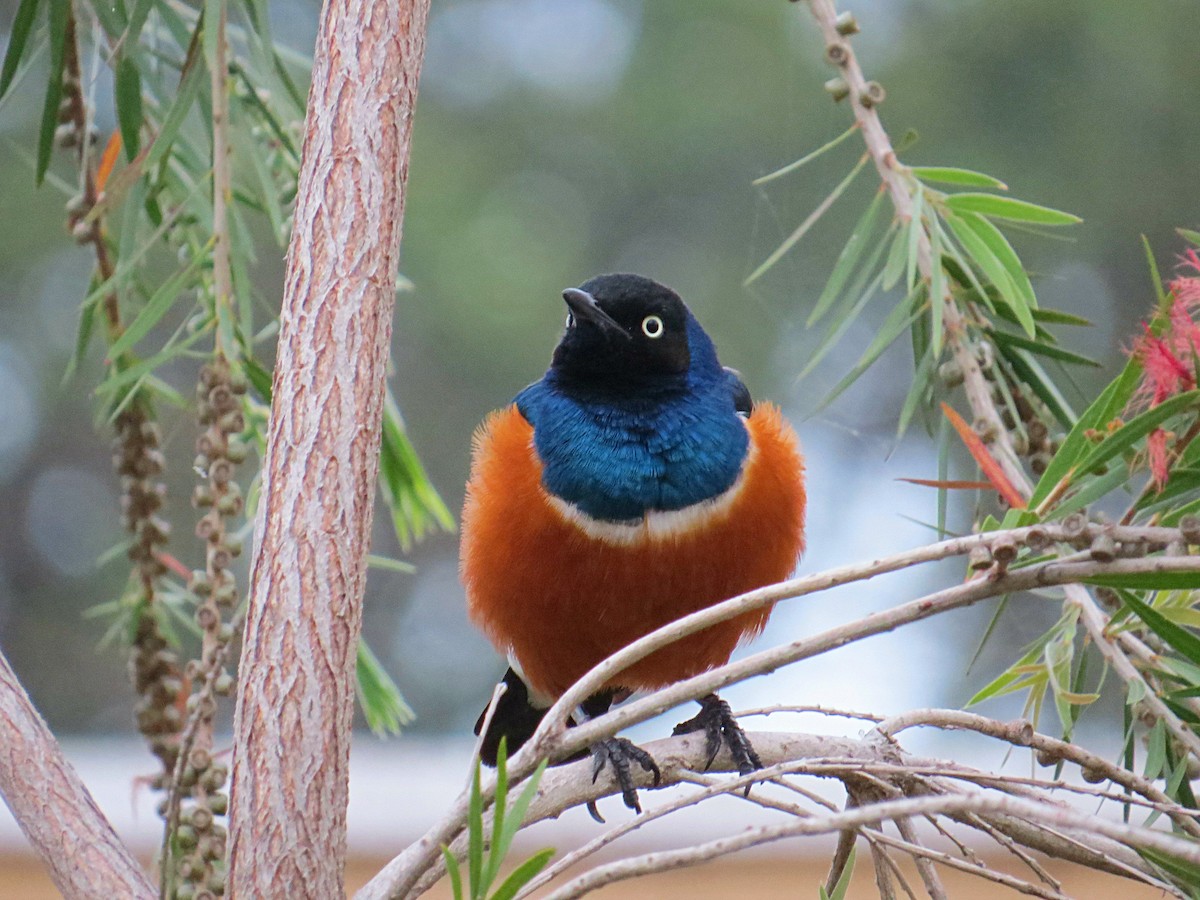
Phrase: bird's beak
[584,307]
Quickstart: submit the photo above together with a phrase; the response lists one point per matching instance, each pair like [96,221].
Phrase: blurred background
[557,139]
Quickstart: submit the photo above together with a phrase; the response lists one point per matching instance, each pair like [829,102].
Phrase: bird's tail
[516,718]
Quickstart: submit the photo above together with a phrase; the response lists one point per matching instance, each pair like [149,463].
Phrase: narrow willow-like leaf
[808,223]
[1058,317]
[382,704]
[115,383]
[1092,490]
[842,323]
[523,874]
[1137,428]
[982,257]
[1163,303]
[1148,581]
[60,11]
[83,338]
[17,39]
[1192,237]
[893,268]
[516,815]
[1014,677]
[475,832]
[1002,250]
[414,503]
[804,160]
[937,292]
[1034,377]
[1009,208]
[918,391]
[1041,349]
[181,105]
[156,307]
[842,888]
[127,84]
[387,564]
[916,220]
[897,321]
[860,239]
[496,850]
[965,177]
[1077,443]
[1180,639]
[958,268]
[452,869]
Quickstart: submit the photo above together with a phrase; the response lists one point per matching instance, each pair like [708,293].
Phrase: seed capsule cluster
[200,838]
[154,665]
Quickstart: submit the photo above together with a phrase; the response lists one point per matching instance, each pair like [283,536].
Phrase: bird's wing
[742,401]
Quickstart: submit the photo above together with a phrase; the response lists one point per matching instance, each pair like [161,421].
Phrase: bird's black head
[623,329]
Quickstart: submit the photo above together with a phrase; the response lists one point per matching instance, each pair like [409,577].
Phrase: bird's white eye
[652,327]
[570,319]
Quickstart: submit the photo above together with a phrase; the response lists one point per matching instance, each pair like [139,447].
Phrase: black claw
[619,753]
[716,720]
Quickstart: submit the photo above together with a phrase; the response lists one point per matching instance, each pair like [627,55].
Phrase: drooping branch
[296,684]
[52,806]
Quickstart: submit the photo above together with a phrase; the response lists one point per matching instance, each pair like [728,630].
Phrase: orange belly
[560,597]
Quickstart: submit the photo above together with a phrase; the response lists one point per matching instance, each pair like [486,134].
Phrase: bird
[634,483]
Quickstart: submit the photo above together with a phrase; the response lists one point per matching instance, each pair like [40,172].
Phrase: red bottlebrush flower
[1157,457]
[1170,360]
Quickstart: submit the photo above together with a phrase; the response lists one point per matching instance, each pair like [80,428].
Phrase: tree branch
[52,806]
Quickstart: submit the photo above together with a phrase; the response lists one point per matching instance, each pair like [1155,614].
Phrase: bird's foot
[716,720]
[621,754]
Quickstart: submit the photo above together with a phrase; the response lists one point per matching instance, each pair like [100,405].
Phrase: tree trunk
[296,677]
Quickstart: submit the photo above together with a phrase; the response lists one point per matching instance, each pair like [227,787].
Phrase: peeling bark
[296,677]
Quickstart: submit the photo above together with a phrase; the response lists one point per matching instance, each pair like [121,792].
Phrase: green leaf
[843,883]
[848,259]
[1034,377]
[1009,208]
[1186,233]
[1042,349]
[83,338]
[523,874]
[59,13]
[17,38]
[1185,873]
[516,815]
[390,565]
[808,223]
[137,18]
[412,500]
[1058,317]
[841,323]
[185,96]
[456,885]
[128,87]
[982,256]
[259,378]
[1164,296]
[1137,428]
[382,704]
[475,833]
[1152,581]
[898,320]
[156,307]
[1092,490]
[998,244]
[965,177]
[804,160]
[937,292]
[894,267]
[1077,443]
[916,225]
[496,849]
[920,389]
[1179,638]
[1183,480]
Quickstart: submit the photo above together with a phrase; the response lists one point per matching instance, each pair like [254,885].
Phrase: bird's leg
[620,753]
[716,720]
